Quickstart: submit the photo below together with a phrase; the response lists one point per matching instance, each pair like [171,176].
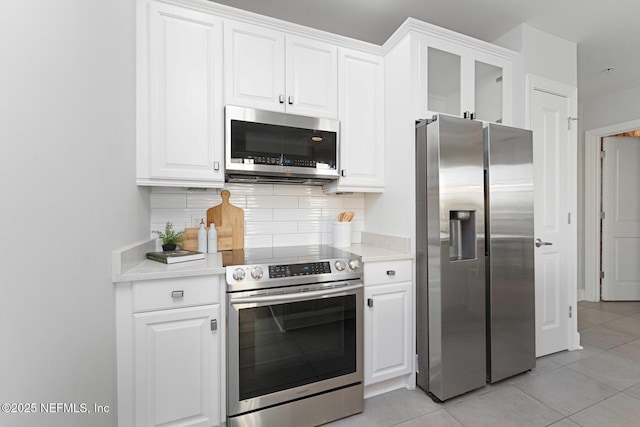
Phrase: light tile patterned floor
[598,386]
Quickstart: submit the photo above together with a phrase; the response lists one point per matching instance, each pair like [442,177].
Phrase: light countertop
[149,270]
[130,263]
[371,253]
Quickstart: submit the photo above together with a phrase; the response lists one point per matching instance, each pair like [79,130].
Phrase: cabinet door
[177,367]
[444,82]
[311,78]
[488,84]
[387,343]
[185,95]
[492,81]
[361,97]
[254,66]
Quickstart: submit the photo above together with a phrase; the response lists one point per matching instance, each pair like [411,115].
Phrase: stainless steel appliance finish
[450,248]
[266,146]
[510,246]
[294,337]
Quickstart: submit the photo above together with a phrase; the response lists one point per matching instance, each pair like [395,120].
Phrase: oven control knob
[256,273]
[354,264]
[340,265]
[238,274]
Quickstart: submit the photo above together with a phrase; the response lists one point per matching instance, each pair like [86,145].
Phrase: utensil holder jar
[342,234]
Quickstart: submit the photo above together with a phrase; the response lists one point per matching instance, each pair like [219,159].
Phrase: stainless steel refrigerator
[475,314]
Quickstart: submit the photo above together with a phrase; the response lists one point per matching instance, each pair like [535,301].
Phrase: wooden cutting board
[229,223]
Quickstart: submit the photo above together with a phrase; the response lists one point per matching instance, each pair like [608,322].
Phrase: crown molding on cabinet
[224,11]
[413,25]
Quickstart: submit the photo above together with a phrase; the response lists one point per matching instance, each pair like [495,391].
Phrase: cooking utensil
[346,216]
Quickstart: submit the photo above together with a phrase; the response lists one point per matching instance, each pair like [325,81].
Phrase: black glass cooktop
[282,255]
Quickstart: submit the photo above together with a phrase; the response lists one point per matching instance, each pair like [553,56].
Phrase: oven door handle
[295,296]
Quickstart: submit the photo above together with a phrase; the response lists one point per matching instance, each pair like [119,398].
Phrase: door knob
[540,243]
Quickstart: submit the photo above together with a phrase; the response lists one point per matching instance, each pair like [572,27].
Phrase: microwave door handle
[297,296]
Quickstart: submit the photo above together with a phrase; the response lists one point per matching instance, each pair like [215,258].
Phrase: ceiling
[606,33]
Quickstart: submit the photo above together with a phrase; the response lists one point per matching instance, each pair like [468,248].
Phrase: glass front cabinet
[463,80]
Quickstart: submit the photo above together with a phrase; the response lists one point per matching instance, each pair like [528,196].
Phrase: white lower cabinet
[177,367]
[387,321]
[170,352]
[387,326]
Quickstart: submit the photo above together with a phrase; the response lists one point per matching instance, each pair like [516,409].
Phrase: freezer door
[456,275]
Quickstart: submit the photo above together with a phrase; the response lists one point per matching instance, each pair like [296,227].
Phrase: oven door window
[289,345]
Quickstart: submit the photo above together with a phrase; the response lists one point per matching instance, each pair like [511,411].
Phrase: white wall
[615,108]
[275,215]
[67,167]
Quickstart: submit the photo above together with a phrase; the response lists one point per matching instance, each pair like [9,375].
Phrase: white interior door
[621,225]
[551,145]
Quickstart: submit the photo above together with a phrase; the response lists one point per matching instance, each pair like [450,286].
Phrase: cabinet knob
[216,166]
[391,272]
[370,302]
[343,172]
[214,324]
[177,294]
[290,100]
[281,99]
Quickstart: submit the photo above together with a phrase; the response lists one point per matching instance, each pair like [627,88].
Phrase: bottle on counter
[212,240]
[202,237]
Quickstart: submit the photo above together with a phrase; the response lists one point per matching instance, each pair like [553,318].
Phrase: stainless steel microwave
[266,146]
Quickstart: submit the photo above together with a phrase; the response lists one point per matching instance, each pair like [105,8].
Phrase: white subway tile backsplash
[250,189]
[297,214]
[203,199]
[264,241]
[310,227]
[297,239]
[321,202]
[275,215]
[272,227]
[272,202]
[254,214]
[297,190]
[180,218]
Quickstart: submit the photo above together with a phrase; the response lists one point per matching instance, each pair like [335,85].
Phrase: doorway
[620,217]
[593,204]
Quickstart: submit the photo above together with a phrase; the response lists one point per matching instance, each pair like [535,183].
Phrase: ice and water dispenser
[462,235]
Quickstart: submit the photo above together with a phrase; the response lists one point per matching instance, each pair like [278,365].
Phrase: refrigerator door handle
[539,243]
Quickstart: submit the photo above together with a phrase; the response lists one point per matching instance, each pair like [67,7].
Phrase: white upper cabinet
[254,66]
[179,102]
[269,70]
[457,78]
[361,94]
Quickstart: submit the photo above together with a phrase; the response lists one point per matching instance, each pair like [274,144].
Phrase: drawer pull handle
[177,294]
[391,272]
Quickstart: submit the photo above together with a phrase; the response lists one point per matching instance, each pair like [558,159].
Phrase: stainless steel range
[294,336]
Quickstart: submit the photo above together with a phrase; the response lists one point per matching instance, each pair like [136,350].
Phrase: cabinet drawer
[376,273]
[175,293]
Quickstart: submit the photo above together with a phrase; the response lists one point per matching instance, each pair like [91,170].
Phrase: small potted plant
[169,238]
